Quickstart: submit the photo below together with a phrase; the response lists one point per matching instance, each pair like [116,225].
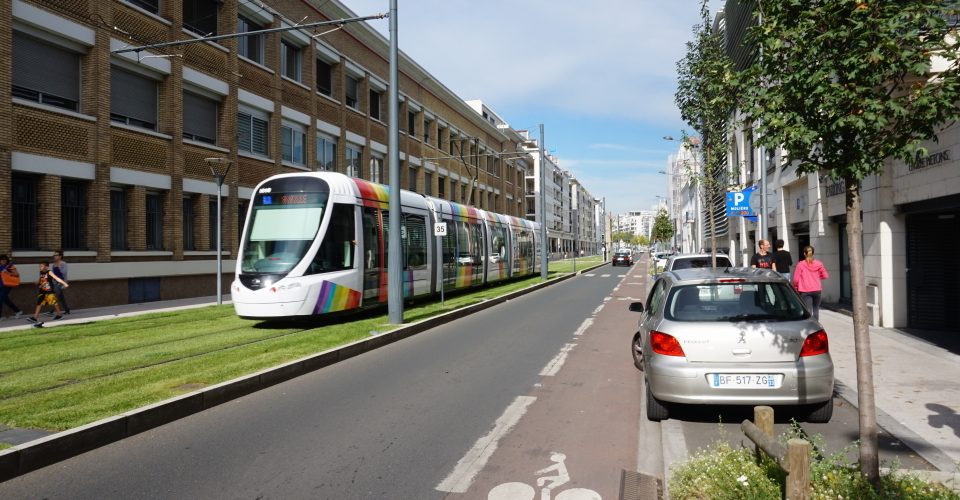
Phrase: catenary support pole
[543,211]
[394,276]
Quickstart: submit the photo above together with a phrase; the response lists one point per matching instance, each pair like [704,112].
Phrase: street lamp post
[219,167]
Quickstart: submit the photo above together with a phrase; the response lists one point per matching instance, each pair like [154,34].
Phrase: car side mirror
[636,307]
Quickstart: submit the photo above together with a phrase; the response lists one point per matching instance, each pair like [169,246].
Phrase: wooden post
[798,469]
[763,418]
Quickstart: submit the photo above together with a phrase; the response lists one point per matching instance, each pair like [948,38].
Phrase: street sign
[440,229]
[738,202]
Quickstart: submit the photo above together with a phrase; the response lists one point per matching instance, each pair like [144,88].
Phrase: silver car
[733,336]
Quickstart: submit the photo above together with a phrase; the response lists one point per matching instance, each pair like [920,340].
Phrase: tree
[662,227]
[706,95]
[844,85]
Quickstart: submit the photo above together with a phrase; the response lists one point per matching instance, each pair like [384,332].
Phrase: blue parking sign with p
[738,202]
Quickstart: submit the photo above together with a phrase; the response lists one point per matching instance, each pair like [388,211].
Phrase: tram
[317,243]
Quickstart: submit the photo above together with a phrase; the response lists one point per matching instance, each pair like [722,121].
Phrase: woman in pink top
[806,280]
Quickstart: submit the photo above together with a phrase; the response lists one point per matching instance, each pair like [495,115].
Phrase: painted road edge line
[583,327]
[557,362]
[476,458]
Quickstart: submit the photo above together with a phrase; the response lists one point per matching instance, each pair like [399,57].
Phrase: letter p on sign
[738,198]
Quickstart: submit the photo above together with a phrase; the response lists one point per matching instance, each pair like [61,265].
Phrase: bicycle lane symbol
[516,490]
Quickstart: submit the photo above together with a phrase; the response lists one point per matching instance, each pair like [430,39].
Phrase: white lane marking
[622,276]
[604,275]
[583,327]
[607,298]
[476,458]
[557,362]
[590,274]
[597,310]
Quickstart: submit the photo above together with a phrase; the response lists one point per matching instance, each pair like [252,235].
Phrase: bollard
[763,418]
[798,469]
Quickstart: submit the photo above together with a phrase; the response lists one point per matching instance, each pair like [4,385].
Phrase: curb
[54,448]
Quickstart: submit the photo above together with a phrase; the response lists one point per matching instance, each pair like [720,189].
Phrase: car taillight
[816,343]
[665,344]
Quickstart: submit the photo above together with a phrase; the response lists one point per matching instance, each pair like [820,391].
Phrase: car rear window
[769,301]
[698,262]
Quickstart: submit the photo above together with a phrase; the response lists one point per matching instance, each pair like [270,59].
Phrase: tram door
[374,257]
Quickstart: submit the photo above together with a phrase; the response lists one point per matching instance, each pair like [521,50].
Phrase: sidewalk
[100,313]
[916,388]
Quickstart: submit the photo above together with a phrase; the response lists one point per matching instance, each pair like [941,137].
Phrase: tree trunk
[869,452]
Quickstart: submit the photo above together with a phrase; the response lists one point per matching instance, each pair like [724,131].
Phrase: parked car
[695,261]
[660,261]
[622,257]
[732,336]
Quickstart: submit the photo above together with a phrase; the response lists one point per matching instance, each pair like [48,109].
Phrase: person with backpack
[46,296]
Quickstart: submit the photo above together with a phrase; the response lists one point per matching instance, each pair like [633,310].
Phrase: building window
[412,123]
[213,224]
[353,160]
[133,99]
[200,118]
[428,183]
[412,182]
[72,222]
[290,60]
[147,5]
[242,214]
[253,132]
[427,125]
[118,220]
[351,95]
[326,153]
[154,220]
[250,46]
[200,16]
[292,139]
[439,136]
[324,77]
[376,168]
[375,104]
[189,242]
[45,73]
[25,208]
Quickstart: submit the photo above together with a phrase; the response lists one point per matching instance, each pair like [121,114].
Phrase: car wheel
[636,349]
[821,413]
[656,410]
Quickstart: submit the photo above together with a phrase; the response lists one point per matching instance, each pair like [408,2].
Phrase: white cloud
[611,58]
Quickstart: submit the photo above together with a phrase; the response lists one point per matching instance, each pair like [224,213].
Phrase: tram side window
[476,244]
[498,248]
[415,241]
[336,250]
[371,240]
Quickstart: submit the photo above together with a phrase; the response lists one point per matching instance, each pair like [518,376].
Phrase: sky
[600,76]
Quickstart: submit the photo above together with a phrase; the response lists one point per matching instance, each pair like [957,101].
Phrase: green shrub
[722,472]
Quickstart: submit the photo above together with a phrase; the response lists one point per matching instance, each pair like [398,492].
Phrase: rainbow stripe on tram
[334,297]
[372,194]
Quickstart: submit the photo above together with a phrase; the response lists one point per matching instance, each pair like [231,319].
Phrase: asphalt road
[391,423]
[540,388]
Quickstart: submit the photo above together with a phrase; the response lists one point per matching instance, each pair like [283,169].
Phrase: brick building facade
[104,154]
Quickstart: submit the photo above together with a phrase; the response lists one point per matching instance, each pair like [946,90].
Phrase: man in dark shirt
[763,259]
[782,260]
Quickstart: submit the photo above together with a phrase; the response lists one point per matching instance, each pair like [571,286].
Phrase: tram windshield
[283,224]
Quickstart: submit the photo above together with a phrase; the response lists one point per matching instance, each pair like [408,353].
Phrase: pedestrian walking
[59,268]
[806,280]
[763,259]
[45,294]
[11,279]
[782,260]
